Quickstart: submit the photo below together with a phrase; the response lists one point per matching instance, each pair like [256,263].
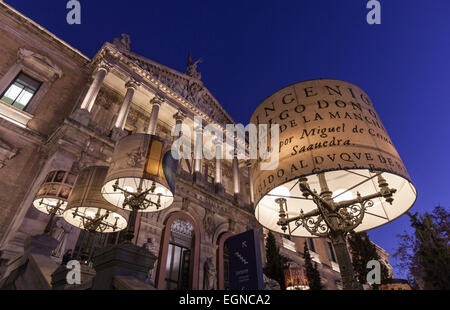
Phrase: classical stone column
[156,102]
[250,183]
[219,154]
[179,118]
[131,87]
[198,152]
[89,100]
[236,181]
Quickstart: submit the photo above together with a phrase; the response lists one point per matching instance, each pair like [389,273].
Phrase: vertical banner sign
[245,262]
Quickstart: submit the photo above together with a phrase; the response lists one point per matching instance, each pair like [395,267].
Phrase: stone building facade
[70,113]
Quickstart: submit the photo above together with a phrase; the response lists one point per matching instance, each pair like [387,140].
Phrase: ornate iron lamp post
[334,220]
[88,210]
[338,169]
[53,194]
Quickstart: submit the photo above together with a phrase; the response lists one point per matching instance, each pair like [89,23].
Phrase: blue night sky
[253,48]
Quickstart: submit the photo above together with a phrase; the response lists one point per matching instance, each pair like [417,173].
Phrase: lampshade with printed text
[330,129]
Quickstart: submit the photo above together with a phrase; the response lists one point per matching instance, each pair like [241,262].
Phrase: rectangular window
[311,246]
[331,252]
[21,91]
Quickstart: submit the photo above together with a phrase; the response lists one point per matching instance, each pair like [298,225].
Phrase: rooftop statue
[123,44]
[191,69]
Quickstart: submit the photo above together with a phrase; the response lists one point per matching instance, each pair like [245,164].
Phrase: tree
[425,254]
[363,251]
[276,264]
[313,275]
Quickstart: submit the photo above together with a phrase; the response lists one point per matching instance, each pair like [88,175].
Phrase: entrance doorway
[179,256]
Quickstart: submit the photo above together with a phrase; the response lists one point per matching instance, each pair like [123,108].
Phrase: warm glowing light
[342,195]
[90,214]
[280,192]
[129,189]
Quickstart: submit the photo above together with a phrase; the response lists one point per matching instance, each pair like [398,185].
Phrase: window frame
[21,72]
[331,252]
[311,242]
[36,66]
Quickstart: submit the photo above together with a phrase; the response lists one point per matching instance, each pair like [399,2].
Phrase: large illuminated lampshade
[53,194]
[142,165]
[329,128]
[88,210]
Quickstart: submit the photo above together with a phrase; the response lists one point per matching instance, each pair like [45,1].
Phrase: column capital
[104,65]
[198,129]
[180,116]
[157,100]
[133,84]
[217,142]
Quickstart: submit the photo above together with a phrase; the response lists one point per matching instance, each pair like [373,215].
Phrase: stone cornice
[35,28]
[78,140]
[27,134]
[158,83]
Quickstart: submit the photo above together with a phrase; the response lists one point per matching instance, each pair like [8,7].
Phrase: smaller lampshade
[142,164]
[54,192]
[88,210]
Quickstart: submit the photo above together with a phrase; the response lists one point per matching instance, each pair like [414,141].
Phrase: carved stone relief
[187,88]
[39,62]
[208,223]
[7,153]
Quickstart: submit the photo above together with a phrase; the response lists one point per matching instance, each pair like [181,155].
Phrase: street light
[52,196]
[141,177]
[88,210]
[338,163]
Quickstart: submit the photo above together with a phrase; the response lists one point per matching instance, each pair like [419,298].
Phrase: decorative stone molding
[133,84]
[185,204]
[231,225]
[7,153]
[184,86]
[14,115]
[106,99]
[182,227]
[208,223]
[179,116]
[38,67]
[157,100]
[39,63]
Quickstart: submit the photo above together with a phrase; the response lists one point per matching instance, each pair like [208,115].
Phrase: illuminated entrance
[179,255]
